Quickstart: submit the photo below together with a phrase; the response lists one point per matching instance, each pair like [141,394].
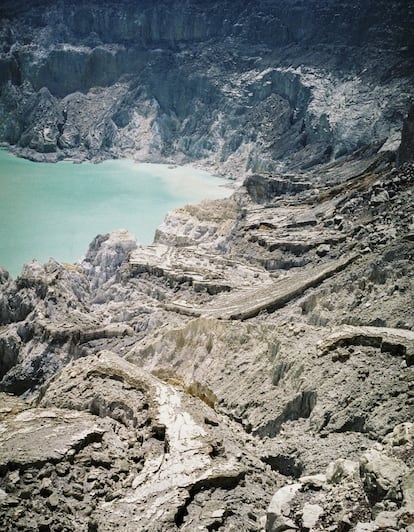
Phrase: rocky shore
[237,86]
[251,370]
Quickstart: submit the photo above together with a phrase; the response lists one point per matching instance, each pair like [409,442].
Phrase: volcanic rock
[251,369]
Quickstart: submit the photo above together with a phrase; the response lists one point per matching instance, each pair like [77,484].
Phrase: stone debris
[382,475]
[214,381]
[341,500]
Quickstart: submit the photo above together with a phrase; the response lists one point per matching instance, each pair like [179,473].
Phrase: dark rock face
[241,86]
[263,189]
[406,151]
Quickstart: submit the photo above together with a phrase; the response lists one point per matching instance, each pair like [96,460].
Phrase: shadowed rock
[398,342]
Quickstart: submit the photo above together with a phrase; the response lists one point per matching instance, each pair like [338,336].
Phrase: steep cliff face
[236,85]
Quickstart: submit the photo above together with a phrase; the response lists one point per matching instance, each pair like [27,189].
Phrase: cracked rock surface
[109,445]
[217,381]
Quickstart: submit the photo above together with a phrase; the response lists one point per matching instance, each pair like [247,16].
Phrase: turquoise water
[55,210]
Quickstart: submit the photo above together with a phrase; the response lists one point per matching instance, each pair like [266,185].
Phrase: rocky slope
[238,86]
[252,370]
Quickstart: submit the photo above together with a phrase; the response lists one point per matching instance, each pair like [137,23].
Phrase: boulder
[341,470]
[402,434]
[382,476]
[317,481]
[310,515]
[408,492]
[278,510]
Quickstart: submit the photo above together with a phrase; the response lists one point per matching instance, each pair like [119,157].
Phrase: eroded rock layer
[237,85]
[251,370]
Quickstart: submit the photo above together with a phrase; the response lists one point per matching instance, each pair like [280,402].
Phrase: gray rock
[317,481]
[387,520]
[105,254]
[60,431]
[401,435]
[53,501]
[278,510]
[382,475]
[46,487]
[323,250]
[310,515]
[70,138]
[380,196]
[366,527]
[342,470]
[408,492]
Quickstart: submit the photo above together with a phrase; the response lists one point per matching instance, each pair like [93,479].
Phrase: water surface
[56,209]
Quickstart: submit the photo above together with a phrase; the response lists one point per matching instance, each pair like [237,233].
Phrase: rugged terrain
[253,368]
[237,86]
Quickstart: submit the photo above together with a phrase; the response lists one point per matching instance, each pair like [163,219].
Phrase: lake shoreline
[84,156]
[60,208]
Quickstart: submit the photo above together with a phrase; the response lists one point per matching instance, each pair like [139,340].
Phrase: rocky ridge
[251,370]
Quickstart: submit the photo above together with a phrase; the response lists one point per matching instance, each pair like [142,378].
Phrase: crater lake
[56,209]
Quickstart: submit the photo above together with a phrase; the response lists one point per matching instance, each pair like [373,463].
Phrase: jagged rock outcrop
[286,359]
[241,86]
[105,254]
[253,368]
[86,454]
